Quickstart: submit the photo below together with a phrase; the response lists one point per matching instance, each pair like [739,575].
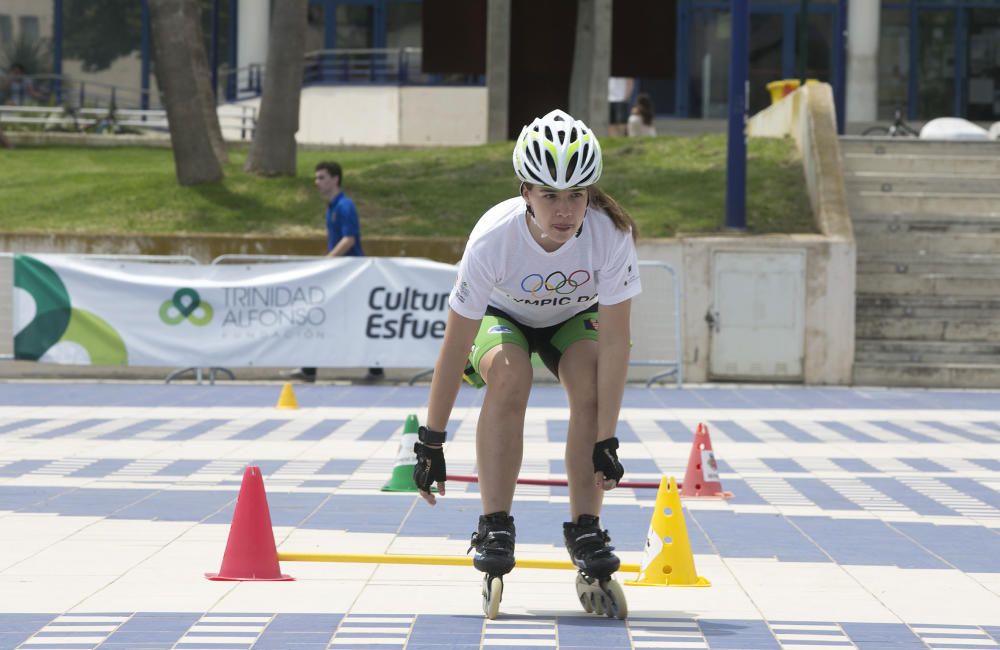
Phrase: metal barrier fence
[111,120]
[657,334]
[657,337]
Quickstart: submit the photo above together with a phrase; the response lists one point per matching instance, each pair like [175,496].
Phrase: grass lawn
[669,184]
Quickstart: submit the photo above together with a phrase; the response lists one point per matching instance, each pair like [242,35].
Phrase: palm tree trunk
[183,76]
[274,148]
[588,86]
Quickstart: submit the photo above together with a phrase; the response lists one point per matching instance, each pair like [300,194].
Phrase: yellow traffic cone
[668,561]
[287,398]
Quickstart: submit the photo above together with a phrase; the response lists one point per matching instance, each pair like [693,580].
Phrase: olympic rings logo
[557,282]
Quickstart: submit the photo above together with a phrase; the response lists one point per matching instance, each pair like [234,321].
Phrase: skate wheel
[584,594]
[599,604]
[615,597]
[492,593]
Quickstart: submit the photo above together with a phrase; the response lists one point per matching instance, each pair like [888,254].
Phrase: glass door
[936,61]
[767,64]
[982,83]
[819,43]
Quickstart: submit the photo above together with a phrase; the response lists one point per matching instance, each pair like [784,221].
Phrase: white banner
[335,312]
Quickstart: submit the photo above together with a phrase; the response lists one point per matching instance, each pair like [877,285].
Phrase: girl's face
[558,213]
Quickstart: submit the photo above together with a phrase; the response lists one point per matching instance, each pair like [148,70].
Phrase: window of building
[893,62]
[316,29]
[6,30]
[402,24]
[29,31]
[983,92]
[936,61]
[355,27]
[709,67]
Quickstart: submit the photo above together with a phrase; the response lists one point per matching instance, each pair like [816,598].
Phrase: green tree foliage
[99,31]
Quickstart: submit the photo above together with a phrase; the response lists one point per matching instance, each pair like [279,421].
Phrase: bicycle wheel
[876,130]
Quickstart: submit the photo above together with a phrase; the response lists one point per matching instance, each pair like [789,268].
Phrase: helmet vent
[571,165]
[548,134]
[551,163]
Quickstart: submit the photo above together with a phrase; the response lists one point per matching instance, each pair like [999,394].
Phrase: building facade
[934,57]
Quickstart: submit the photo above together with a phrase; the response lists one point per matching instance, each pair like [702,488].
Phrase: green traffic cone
[402,474]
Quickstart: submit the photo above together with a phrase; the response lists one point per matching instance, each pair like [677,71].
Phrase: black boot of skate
[588,547]
[590,551]
[494,544]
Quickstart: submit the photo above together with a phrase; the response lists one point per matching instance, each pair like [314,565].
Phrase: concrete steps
[892,147]
[951,375]
[927,329]
[862,163]
[931,284]
[902,223]
[914,183]
[926,219]
[924,306]
[971,265]
[927,243]
[932,352]
[980,204]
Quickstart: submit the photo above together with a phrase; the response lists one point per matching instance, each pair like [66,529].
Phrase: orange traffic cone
[250,551]
[702,476]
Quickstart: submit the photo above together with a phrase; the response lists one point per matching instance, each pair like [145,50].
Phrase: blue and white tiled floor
[861,519]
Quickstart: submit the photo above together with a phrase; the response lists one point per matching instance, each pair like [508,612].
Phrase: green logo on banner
[184,305]
[56,321]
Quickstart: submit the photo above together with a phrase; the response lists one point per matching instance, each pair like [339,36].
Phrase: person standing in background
[343,238]
[619,90]
[640,122]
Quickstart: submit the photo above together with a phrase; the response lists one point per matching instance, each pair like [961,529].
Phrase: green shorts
[548,342]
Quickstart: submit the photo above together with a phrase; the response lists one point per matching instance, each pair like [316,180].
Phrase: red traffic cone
[702,476]
[250,551]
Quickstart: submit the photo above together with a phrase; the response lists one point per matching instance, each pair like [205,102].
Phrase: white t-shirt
[505,267]
[617,89]
[636,127]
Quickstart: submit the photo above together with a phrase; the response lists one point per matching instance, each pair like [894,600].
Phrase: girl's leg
[578,374]
[500,433]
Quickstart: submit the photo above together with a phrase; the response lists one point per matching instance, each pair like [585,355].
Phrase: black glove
[606,460]
[430,467]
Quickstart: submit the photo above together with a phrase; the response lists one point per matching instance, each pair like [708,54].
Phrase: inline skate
[494,544]
[590,551]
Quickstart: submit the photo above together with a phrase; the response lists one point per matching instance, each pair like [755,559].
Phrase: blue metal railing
[386,66]
[62,90]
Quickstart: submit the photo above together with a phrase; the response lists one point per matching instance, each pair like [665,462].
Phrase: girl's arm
[458,336]
[612,364]
[459,333]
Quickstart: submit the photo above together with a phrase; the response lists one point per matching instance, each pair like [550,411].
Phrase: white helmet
[557,151]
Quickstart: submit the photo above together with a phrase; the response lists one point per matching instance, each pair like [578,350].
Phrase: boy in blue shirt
[343,237]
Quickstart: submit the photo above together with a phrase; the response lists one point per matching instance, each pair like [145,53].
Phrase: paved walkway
[861,518]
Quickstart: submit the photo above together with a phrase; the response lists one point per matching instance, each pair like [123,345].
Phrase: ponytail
[619,216]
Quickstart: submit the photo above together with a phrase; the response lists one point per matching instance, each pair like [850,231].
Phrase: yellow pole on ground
[446,560]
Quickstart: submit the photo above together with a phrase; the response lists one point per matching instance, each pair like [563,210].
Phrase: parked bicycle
[898,129]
